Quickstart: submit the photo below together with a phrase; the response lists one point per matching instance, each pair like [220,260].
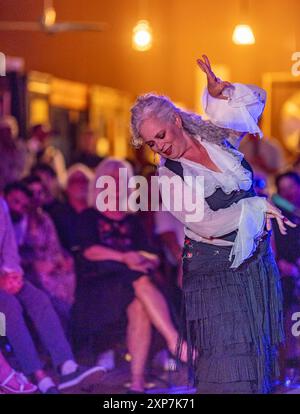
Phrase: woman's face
[78,186]
[165,138]
[115,195]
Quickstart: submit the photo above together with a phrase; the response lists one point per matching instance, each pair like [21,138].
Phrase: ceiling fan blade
[20,26]
[77,26]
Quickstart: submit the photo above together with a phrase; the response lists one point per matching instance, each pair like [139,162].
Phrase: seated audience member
[41,149]
[41,254]
[53,196]
[12,382]
[68,220]
[13,155]
[266,156]
[288,258]
[86,153]
[115,275]
[18,295]
[67,216]
[288,247]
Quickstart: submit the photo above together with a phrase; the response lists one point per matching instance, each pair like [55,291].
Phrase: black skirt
[104,291]
[234,320]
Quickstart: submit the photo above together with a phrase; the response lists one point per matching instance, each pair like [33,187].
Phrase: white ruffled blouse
[247,216]
[234,176]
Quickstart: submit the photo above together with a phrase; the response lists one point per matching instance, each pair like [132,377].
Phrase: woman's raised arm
[215,85]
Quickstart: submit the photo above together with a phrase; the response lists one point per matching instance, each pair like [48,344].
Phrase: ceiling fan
[47,23]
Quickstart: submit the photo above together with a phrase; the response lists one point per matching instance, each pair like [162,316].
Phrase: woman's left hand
[274,213]
[215,85]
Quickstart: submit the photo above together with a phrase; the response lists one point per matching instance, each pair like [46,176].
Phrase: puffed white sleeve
[247,216]
[240,112]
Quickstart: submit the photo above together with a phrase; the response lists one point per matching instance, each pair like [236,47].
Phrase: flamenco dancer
[231,286]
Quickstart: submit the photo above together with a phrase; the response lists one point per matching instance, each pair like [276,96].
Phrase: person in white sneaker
[16,294]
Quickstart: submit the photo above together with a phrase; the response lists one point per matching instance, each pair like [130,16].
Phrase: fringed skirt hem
[233,318]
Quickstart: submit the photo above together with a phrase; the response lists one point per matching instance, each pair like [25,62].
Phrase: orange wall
[183,29]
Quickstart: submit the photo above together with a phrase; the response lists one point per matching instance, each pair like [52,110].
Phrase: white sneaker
[107,360]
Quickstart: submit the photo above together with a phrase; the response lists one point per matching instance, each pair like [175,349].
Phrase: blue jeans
[38,307]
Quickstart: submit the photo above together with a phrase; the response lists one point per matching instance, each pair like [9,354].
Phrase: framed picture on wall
[281,118]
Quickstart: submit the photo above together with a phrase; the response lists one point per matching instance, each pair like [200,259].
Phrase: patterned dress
[43,259]
[104,288]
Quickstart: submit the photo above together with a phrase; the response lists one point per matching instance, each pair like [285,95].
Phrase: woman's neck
[194,149]
[197,153]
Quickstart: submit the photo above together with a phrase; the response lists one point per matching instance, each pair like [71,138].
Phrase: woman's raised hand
[215,85]
[274,213]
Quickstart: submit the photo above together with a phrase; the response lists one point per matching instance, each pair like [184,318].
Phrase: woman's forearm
[98,253]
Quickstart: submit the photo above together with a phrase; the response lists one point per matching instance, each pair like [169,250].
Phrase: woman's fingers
[210,75]
[276,213]
[215,85]
[206,60]
[281,220]
[289,222]
[281,225]
[202,65]
[274,210]
[205,69]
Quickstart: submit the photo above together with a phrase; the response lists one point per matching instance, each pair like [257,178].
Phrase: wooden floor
[158,382]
